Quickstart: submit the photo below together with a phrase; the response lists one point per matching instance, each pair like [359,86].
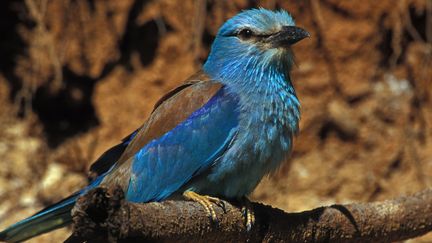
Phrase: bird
[213,137]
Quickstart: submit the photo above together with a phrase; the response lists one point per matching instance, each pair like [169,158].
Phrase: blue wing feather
[165,164]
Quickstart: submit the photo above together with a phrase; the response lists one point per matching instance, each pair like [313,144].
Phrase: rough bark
[103,215]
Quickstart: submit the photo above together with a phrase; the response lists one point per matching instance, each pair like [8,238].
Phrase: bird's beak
[288,36]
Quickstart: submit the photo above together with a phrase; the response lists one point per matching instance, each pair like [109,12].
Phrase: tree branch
[102,215]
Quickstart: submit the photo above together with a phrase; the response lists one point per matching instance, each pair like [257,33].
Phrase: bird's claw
[248,213]
[206,202]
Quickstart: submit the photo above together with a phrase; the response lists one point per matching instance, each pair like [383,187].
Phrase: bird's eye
[245,34]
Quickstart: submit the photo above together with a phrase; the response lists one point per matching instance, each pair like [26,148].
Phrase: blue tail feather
[53,217]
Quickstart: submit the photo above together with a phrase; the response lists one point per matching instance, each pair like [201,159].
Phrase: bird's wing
[109,157]
[173,108]
[152,127]
[168,162]
[187,131]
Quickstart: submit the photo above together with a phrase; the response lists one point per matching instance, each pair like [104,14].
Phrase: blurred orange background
[78,76]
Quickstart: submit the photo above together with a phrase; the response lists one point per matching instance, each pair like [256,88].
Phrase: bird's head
[254,39]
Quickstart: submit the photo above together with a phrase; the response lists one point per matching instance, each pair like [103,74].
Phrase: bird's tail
[50,218]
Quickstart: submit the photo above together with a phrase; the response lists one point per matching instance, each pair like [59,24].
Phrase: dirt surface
[78,76]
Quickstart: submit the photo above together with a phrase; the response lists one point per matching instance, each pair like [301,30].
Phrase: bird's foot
[206,202]
[248,213]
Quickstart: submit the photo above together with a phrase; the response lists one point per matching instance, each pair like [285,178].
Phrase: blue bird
[213,137]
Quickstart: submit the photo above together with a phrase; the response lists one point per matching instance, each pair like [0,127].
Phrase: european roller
[215,136]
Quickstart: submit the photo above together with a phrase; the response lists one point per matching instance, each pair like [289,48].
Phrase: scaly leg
[206,202]
[248,213]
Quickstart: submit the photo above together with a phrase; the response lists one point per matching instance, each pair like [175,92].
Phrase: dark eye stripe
[263,35]
[254,35]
